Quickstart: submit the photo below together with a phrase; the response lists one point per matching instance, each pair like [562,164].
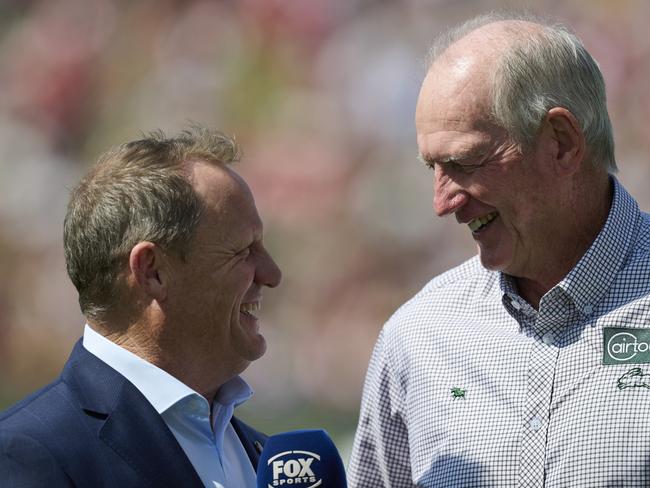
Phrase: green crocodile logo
[457,392]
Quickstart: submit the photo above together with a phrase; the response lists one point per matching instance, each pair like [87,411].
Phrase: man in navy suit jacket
[164,245]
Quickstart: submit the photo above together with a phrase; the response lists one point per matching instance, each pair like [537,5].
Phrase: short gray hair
[541,69]
[138,191]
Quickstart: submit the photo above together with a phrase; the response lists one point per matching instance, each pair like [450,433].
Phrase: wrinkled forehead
[464,76]
[459,84]
[453,94]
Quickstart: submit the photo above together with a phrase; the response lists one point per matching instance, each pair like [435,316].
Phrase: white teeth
[250,307]
[479,222]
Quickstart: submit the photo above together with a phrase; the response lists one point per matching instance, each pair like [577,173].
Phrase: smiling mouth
[479,223]
[248,308]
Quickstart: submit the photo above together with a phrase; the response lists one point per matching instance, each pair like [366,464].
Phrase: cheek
[233,285]
[491,183]
[243,274]
[515,192]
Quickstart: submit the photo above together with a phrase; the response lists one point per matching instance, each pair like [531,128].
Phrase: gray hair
[541,69]
[138,191]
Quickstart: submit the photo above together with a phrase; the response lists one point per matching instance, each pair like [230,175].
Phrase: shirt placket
[547,328]
[541,374]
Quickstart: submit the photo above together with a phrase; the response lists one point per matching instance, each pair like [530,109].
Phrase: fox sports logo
[295,468]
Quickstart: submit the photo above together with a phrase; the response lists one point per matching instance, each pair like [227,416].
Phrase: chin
[254,348]
[493,261]
[258,352]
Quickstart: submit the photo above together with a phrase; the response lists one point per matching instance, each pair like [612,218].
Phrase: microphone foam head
[300,459]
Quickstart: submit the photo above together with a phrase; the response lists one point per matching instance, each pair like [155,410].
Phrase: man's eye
[468,168]
[458,167]
[454,166]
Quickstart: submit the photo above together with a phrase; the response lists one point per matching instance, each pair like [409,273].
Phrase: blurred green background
[321,95]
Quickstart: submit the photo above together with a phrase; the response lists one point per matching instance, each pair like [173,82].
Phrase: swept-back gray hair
[538,70]
[138,191]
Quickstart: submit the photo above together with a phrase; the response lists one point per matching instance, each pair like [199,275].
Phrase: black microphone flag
[300,459]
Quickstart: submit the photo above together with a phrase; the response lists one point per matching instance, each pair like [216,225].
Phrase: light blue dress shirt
[215,451]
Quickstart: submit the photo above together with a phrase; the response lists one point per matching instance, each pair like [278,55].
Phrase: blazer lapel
[139,435]
[133,428]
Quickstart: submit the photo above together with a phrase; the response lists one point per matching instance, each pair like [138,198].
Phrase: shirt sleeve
[25,463]
[380,454]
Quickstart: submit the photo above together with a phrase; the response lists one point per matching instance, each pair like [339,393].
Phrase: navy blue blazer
[93,428]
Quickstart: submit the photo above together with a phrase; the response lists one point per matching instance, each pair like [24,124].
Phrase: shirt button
[587,309]
[535,423]
[548,338]
[515,304]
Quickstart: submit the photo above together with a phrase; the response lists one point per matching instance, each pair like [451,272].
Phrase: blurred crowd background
[321,96]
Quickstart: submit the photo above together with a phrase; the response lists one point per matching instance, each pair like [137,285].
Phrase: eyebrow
[459,159]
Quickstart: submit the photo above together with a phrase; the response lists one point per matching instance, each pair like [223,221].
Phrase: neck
[587,212]
[183,363]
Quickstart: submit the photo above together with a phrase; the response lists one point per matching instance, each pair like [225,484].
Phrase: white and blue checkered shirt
[469,386]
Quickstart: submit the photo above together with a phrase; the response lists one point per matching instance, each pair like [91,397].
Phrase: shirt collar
[592,276]
[590,279]
[233,392]
[160,388]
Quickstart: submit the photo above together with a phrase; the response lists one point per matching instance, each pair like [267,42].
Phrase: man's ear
[148,269]
[569,145]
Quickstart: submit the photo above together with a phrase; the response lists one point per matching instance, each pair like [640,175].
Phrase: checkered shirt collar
[588,282]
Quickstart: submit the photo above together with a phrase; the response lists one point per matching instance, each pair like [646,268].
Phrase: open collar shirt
[470,386]
[214,450]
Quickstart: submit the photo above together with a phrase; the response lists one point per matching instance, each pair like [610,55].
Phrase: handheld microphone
[300,459]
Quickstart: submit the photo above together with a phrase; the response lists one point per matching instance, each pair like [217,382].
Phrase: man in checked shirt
[526,366]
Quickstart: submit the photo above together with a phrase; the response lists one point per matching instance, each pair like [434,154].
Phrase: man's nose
[268,272]
[448,195]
